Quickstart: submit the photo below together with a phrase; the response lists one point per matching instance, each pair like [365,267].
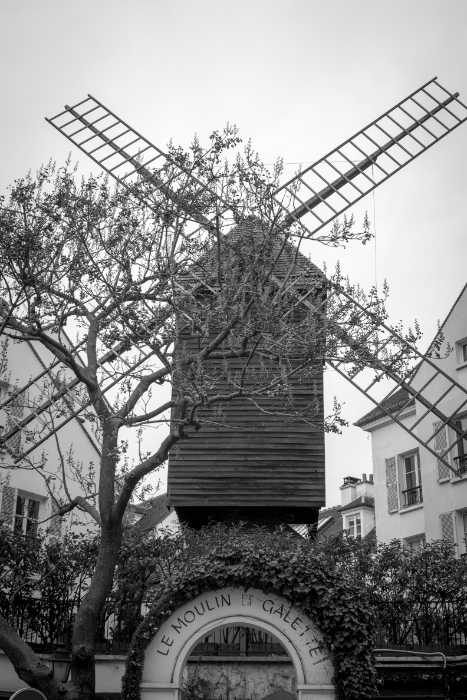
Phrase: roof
[334,527]
[392,404]
[397,400]
[153,511]
[368,501]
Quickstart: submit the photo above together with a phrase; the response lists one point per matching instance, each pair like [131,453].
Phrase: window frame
[461,346]
[354,517]
[34,520]
[402,473]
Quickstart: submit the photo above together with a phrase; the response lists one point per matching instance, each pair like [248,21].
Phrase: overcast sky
[298,77]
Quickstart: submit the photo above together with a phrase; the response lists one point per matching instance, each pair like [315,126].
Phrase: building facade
[32,488]
[418,498]
[355,516]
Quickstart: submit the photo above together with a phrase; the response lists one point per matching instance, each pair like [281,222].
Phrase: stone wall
[240,679]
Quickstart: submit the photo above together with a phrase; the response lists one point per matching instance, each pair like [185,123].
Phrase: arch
[170,647]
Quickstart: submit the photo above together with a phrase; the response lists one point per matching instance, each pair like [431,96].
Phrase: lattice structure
[347,173]
[131,159]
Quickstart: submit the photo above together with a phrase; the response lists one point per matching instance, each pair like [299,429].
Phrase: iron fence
[422,625]
[402,624]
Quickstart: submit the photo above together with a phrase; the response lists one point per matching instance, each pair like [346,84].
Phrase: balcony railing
[412,496]
[461,464]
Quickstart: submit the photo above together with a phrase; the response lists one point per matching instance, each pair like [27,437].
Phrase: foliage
[54,574]
[279,563]
[394,572]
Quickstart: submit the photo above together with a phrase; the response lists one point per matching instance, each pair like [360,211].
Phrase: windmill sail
[131,159]
[326,189]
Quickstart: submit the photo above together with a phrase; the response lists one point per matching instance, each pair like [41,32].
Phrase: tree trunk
[29,667]
[82,659]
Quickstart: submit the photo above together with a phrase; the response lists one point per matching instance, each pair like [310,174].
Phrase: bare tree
[127,282]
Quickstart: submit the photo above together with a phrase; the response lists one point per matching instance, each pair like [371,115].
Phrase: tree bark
[83,675]
[30,668]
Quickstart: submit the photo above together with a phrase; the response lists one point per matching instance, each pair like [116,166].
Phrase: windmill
[307,203]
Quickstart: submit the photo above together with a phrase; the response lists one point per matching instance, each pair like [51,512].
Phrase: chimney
[365,487]
[348,490]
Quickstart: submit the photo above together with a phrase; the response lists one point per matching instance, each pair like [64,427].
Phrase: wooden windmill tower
[253,463]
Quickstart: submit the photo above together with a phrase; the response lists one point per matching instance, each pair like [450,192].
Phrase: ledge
[410,508]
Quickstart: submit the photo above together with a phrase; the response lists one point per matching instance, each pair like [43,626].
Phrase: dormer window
[354,526]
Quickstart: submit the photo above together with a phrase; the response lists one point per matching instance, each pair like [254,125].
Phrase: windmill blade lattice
[132,160]
[326,189]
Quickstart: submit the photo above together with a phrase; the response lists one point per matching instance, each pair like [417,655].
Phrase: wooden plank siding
[254,461]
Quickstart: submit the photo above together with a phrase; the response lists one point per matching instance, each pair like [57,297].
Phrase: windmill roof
[304,268]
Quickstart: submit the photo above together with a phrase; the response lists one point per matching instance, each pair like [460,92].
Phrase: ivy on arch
[275,563]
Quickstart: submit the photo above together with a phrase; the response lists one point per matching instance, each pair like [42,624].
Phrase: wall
[389,441]
[251,678]
[109,672]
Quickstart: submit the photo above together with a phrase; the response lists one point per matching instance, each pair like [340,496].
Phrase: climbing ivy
[276,563]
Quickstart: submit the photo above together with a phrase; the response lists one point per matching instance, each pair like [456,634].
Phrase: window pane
[465,525]
[352,528]
[33,509]
[359,527]
[18,524]
[20,502]
[410,478]
[464,352]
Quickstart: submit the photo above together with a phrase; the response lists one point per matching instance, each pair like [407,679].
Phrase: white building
[26,501]
[355,515]
[417,498]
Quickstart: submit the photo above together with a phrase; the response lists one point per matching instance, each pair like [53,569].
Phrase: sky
[297,77]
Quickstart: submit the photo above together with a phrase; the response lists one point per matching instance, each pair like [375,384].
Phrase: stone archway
[169,649]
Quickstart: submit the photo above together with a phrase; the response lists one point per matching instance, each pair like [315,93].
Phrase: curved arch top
[181,632]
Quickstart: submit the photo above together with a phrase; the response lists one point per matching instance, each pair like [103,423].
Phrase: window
[415,544]
[464,529]
[461,352]
[26,514]
[412,494]
[354,526]
[461,448]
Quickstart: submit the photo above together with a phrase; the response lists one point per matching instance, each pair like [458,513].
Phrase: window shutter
[440,443]
[8,504]
[55,528]
[14,415]
[391,484]
[447,527]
